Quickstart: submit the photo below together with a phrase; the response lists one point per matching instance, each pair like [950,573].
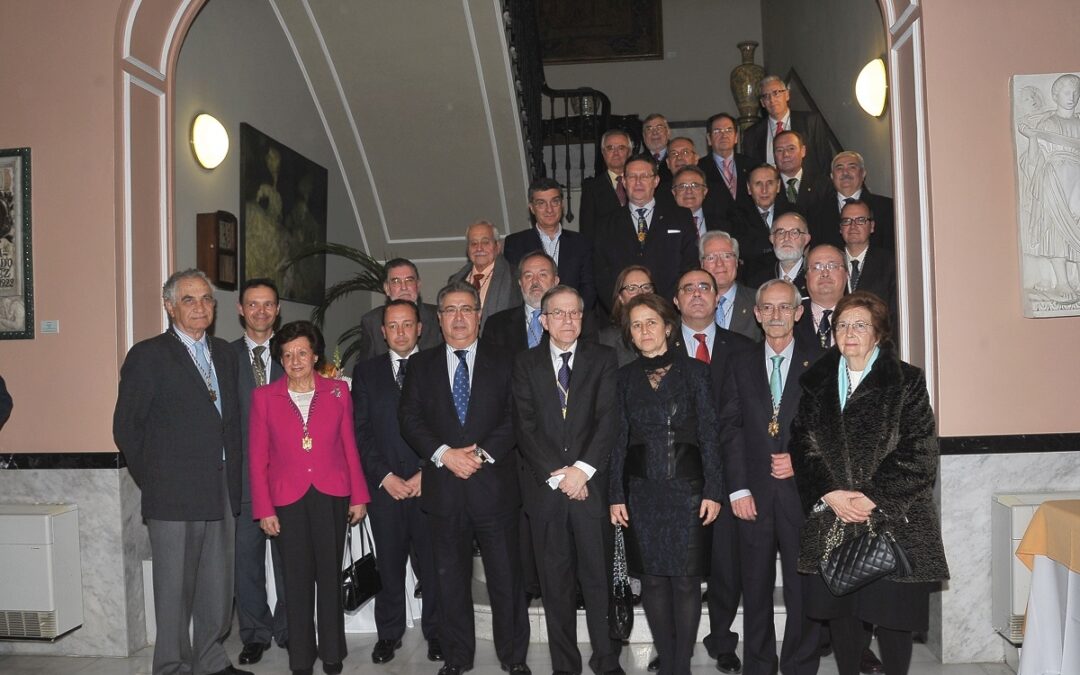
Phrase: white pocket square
[674,231]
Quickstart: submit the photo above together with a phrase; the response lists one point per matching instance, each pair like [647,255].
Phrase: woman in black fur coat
[865,447]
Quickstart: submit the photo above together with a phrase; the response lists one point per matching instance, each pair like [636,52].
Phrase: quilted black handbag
[848,565]
[360,579]
[621,602]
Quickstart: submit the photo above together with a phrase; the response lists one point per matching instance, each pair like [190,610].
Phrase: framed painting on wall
[16,259]
[283,206]
[572,31]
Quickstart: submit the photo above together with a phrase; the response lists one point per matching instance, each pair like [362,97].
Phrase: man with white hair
[848,174]
[487,270]
[790,237]
[758,139]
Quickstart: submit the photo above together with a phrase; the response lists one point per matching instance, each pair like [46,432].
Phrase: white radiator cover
[40,571]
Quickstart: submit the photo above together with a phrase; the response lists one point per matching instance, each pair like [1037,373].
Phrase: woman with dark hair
[631,282]
[306,483]
[866,454]
[665,484]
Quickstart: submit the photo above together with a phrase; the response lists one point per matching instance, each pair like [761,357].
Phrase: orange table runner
[1054,532]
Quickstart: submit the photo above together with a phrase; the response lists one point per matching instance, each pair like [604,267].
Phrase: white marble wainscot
[965,633]
[112,541]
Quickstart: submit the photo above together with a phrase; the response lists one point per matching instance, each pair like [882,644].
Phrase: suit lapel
[800,362]
[183,357]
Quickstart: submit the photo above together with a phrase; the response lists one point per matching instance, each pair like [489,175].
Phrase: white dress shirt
[556,365]
[451,367]
[770,158]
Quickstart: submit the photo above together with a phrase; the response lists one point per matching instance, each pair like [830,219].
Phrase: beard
[787,254]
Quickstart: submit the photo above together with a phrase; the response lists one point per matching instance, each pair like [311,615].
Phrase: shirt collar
[786,353]
[251,344]
[688,333]
[544,235]
[555,351]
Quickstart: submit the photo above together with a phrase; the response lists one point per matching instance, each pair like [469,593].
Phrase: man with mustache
[790,237]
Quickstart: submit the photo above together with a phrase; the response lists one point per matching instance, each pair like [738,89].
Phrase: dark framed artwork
[16,252]
[282,211]
[572,31]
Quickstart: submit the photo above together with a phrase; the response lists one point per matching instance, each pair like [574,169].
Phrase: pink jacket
[281,470]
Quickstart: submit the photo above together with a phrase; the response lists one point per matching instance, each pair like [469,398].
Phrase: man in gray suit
[735,309]
[177,423]
[402,283]
[259,309]
[487,270]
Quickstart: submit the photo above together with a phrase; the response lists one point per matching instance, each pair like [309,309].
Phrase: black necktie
[401,364]
[855,273]
[824,328]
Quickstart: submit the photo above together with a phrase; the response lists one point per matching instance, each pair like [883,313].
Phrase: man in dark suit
[763,495]
[752,225]
[655,134]
[455,413]
[402,283]
[259,309]
[647,232]
[691,192]
[177,423]
[703,339]
[719,253]
[571,251]
[790,238]
[800,186]
[758,139]
[726,171]
[870,267]
[605,192]
[826,283]
[487,270]
[681,153]
[392,470]
[849,183]
[565,450]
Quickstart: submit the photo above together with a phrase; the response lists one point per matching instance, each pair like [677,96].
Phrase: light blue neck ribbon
[842,378]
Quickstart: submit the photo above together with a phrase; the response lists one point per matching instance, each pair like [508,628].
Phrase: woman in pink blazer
[306,481]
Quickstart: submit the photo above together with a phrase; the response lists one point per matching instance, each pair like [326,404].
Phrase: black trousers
[851,636]
[725,585]
[258,624]
[400,527]
[673,608]
[312,543]
[500,549]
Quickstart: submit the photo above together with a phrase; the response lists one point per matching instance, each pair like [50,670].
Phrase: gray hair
[494,230]
[796,296]
[848,153]
[717,234]
[168,290]
[769,79]
[538,253]
[561,288]
[615,132]
[458,286]
[790,214]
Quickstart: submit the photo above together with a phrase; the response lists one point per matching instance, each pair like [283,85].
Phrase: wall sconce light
[209,140]
[871,86]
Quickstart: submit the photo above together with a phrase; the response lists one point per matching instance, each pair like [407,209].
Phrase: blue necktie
[564,379]
[535,329]
[720,313]
[461,386]
[207,371]
[775,385]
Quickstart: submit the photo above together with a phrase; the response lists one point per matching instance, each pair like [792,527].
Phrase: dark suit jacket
[719,199]
[575,259]
[506,331]
[752,233]
[806,332]
[372,344]
[825,221]
[743,320]
[428,420]
[547,441]
[748,462]
[375,397]
[767,267]
[170,431]
[502,291]
[878,275]
[598,201]
[670,248]
[820,149]
[245,384]
[813,191]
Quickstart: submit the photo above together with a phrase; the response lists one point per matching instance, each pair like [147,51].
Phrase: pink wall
[999,373]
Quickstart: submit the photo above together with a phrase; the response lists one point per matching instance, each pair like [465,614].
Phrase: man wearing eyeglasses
[655,133]
[870,267]
[455,413]
[647,232]
[759,480]
[486,269]
[680,153]
[790,238]
[401,282]
[758,140]
[564,417]
[826,283]
[848,176]
[726,171]
[719,253]
[690,190]
[571,251]
[605,192]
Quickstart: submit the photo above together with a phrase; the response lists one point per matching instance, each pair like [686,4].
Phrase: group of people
[562,385]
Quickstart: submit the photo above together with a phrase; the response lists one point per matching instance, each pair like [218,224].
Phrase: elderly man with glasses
[758,139]
[790,238]
[727,172]
[605,192]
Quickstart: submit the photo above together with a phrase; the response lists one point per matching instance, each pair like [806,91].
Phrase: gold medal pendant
[305,443]
[774,427]
[213,396]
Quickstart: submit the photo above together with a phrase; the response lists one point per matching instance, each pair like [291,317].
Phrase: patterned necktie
[727,167]
[824,329]
[855,274]
[210,377]
[258,365]
[477,281]
[775,385]
[720,313]
[461,386]
[402,364]
[697,226]
[779,128]
[642,226]
[620,190]
[765,217]
[535,329]
[792,191]
[702,353]
[564,380]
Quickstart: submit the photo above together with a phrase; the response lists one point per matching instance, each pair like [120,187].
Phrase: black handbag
[360,579]
[847,566]
[621,602]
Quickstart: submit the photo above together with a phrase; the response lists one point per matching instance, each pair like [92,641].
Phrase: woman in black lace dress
[665,484]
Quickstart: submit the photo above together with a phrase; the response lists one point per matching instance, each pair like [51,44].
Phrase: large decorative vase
[744,85]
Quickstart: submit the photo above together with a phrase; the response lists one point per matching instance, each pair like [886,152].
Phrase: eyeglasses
[638,177]
[463,310]
[726,131]
[616,148]
[638,288]
[793,233]
[859,327]
[861,220]
[545,203]
[679,154]
[769,308]
[401,281]
[827,267]
[768,95]
[701,286]
[726,256]
[571,315]
[683,187]
[654,127]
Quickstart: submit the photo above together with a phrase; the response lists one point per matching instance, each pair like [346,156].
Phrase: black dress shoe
[332,668]
[303,671]
[232,670]
[434,650]
[453,670]
[418,592]
[517,669]
[637,599]
[728,663]
[579,600]
[654,665]
[252,653]
[869,663]
[705,596]
[384,650]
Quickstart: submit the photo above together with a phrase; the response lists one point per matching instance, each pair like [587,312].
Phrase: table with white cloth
[1051,550]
